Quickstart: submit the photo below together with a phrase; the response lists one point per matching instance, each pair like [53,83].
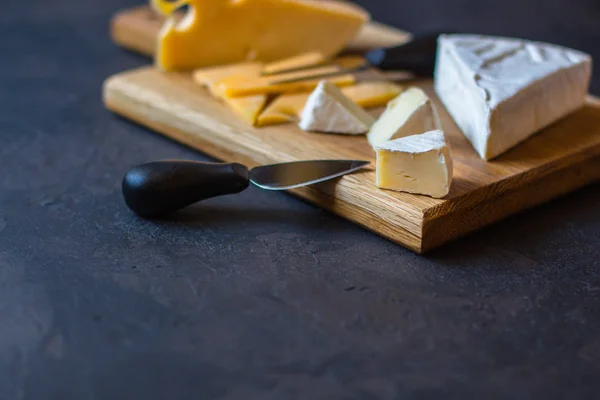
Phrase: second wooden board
[556,161]
[137,28]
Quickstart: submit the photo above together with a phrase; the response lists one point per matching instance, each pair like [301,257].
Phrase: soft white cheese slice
[419,164]
[500,91]
[329,110]
[410,113]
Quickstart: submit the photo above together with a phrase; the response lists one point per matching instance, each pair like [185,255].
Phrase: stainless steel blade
[291,175]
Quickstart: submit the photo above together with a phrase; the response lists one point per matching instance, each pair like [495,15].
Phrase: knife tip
[360,163]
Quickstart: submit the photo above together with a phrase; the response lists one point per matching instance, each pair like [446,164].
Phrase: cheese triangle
[329,110]
[410,113]
[372,93]
[500,91]
[420,164]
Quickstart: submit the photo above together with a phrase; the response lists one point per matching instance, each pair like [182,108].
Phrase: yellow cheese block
[216,32]
[247,107]
[288,107]
[241,86]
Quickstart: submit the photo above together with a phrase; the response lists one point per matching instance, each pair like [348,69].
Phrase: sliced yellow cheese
[248,107]
[349,61]
[304,60]
[312,59]
[242,86]
[285,108]
[218,32]
[211,76]
[372,94]
[288,107]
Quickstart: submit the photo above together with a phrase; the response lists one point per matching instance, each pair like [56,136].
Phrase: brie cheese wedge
[500,91]
[410,113]
[420,164]
[329,110]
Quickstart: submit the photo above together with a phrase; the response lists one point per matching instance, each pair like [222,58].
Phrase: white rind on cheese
[420,164]
[329,110]
[500,91]
[410,113]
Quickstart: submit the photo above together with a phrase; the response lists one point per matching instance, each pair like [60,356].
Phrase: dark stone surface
[262,296]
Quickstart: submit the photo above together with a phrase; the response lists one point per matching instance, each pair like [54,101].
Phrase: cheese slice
[350,61]
[501,91]
[242,86]
[285,108]
[309,60]
[216,32]
[288,107]
[329,110]
[211,76]
[420,164]
[410,113]
[303,60]
[248,107]
[372,94]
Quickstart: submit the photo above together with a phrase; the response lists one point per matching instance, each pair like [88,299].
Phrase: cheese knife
[160,187]
[416,58]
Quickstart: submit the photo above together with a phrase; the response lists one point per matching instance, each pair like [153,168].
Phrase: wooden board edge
[593,100]
[516,181]
[359,216]
[585,171]
[115,100]
[128,30]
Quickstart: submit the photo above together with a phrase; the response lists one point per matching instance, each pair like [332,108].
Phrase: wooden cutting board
[558,160]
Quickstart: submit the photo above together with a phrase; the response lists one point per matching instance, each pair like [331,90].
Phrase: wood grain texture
[558,160]
[136,29]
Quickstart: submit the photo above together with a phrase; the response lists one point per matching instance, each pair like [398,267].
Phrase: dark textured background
[261,296]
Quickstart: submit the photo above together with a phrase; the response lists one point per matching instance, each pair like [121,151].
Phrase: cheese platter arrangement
[458,130]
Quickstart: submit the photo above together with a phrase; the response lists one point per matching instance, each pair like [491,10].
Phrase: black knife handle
[161,187]
[417,55]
